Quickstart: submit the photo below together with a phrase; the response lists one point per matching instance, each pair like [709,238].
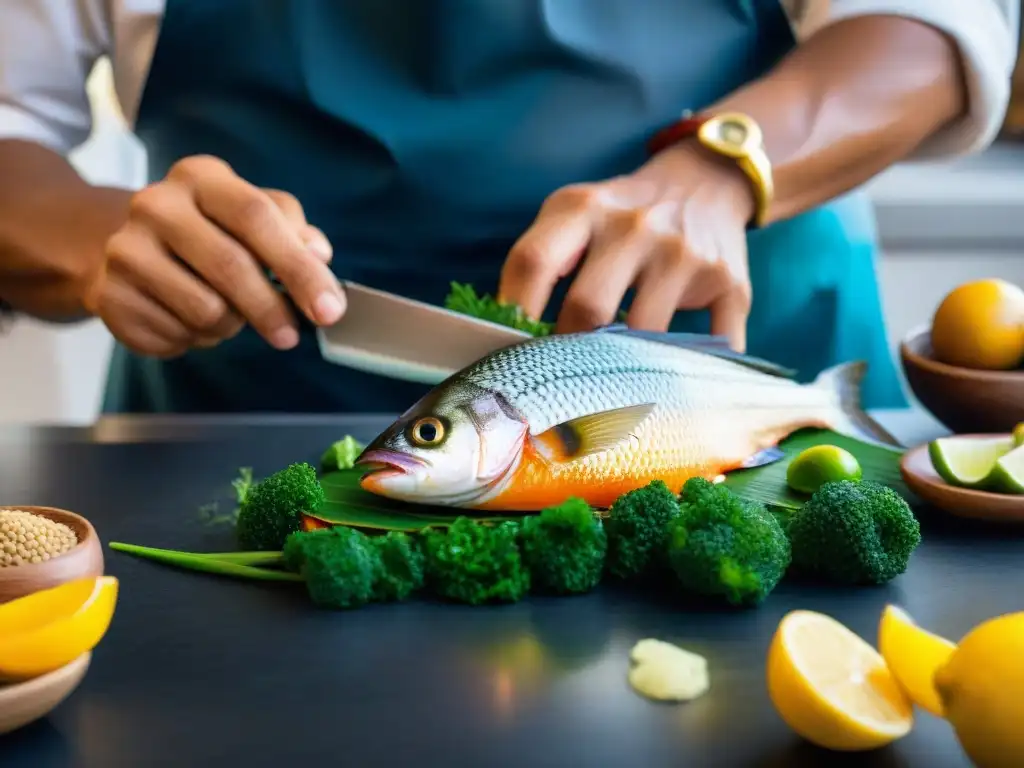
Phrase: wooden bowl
[83,560]
[24,703]
[966,401]
[921,477]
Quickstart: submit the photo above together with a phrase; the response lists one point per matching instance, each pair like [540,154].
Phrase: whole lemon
[981,691]
[980,325]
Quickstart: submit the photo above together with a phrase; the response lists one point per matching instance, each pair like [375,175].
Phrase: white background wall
[60,370]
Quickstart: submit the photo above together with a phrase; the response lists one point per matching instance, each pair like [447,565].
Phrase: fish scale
[560,378]
[709,414]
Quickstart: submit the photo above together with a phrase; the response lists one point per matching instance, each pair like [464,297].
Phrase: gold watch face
[731,134]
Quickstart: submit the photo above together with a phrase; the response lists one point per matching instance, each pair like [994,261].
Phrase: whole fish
[596,414]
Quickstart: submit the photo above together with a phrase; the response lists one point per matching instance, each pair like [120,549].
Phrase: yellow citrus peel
[48,629]
[980,689]
[913,655]
[832,687]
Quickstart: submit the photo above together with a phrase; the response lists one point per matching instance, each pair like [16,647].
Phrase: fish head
[452,448]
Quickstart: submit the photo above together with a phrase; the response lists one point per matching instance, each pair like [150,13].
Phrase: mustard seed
[28,538]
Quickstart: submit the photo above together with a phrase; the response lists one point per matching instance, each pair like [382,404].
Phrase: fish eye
[427,432]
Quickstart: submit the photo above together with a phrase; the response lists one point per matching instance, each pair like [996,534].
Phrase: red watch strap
[676,132]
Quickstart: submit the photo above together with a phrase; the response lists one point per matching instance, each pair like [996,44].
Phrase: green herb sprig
[464,298]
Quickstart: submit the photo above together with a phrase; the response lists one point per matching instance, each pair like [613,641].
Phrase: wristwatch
[733,135]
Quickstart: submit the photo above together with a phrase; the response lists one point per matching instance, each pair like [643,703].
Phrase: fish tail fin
[845,381]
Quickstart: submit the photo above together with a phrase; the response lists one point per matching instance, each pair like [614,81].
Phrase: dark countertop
[198,670]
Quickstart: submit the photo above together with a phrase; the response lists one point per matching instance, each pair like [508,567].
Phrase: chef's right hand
[188,267]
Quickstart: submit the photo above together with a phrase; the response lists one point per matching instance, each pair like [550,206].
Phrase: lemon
[46,630]
[980,688]
[913,655]
[980,325]
[821,464]
[1018,434]
[832,688]
[968,462]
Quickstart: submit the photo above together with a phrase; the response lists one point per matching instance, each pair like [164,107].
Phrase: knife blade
[401,338]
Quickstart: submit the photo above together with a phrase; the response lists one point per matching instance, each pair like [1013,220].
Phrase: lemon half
[913,655]
[832,688]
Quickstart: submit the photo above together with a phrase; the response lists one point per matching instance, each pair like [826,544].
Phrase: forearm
[850,101]
[53,227]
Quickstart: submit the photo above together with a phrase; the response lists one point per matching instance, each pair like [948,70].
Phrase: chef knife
[402,338]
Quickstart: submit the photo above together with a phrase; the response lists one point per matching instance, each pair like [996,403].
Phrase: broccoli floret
[293,553]
[722,545]
[272,508]
[341,566]
[351,568]
[854,533]
[472,562]
[341,454]
[401,566]
[636,528]
[564,548]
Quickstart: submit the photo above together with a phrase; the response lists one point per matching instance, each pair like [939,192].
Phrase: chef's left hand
[675,230]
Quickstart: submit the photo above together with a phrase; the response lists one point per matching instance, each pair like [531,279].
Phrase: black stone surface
[198,670]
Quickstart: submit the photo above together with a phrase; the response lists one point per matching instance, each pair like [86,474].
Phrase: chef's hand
[187,268]
[675,230]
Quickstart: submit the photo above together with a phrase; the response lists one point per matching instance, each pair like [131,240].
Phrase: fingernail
[284,338]
[318,244]
[328,308]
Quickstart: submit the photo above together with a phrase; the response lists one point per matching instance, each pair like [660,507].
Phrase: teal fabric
[423,135]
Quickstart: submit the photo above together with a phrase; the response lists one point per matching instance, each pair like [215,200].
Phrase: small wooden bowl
[921,477]
[24,703]
[966,401]
[83,560]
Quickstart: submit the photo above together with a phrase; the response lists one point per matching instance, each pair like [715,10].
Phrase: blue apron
[423,135]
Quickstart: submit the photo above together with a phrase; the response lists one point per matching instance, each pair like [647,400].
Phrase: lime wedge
[968,461]
[1007,475]
[1018,434]
[821,464]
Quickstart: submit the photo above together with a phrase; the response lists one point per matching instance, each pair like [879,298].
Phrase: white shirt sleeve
[986,32]
[47,50]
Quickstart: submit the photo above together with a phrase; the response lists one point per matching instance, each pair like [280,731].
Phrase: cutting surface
[198,670]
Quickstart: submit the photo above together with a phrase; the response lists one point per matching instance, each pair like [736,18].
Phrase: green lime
[968,461]
[819,465]
[1007,475]
[1018,434]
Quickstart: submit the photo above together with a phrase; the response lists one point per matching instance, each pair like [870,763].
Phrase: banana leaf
[346,503]
[767,484]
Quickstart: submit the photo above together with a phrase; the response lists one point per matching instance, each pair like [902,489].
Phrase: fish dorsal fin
[590,434]
[717,346]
